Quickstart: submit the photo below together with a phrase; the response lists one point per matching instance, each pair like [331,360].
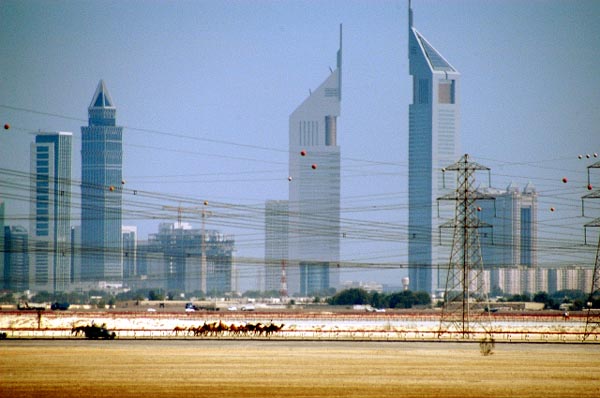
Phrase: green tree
[156,295]
[404,299]
[352,296]
[378,300]
[422,298]
[519,298]
[543,297]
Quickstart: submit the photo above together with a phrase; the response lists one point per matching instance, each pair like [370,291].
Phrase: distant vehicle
[379,309]
[487,309]
[232,308]
[248,307]
[151,310]
[98,332]
[190,307]
[60,306]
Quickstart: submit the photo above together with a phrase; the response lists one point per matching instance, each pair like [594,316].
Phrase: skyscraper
[16,258]
[434,119]
[276,242]
[101,177]
[129,252]
[512,241]
[181,248]
[314,189]
[51,211]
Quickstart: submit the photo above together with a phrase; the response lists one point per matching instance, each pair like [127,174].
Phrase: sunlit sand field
[229,368]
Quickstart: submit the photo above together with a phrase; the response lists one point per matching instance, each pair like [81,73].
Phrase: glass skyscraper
[101,180]
[51,212]
[276,243]
[314,189]
[434,119]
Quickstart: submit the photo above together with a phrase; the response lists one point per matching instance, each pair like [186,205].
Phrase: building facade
[129,252]
[174,257]
[101,180]
[314,189]
[276,244]
[434,119]
[16,258]
[512,215]
[50,228]
[527,280]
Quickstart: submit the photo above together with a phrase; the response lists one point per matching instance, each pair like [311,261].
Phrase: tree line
[358,296]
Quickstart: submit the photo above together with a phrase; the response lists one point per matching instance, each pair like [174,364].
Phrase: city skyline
[202,124]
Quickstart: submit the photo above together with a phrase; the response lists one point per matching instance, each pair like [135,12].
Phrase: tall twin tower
[433,135]
[307,235]
[312,220]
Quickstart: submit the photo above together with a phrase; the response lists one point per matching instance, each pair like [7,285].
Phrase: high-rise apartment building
[16,258]
[101,180]
[512,215]
[276,243]
[434,118]
[129,252]
[181,249]
[51,212]
[314,189]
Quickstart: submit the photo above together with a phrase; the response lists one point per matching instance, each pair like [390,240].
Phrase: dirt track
[294,369]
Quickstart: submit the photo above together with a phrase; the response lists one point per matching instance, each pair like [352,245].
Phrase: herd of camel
[220,329]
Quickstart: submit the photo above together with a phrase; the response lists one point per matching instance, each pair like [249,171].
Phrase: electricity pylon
[592,321]
[465,281]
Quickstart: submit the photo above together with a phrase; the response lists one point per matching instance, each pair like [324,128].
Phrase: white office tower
[434,118]
[314,189]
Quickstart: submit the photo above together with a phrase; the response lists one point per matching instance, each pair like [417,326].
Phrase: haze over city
[204,91]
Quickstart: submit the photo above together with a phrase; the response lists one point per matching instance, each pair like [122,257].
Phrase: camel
[77,330]
[272,328]
[178,329]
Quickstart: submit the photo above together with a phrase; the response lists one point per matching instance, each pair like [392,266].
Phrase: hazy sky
[204,90]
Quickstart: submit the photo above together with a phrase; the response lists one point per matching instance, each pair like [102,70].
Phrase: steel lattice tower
[592,321]
[465,280]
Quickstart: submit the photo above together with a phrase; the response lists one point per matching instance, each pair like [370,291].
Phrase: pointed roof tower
[102,111]
[101,98]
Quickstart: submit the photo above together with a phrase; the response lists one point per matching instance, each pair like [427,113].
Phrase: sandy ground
[201,368]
